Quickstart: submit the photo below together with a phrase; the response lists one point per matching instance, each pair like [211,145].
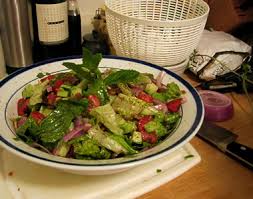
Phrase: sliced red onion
[72,133]
[86,120]
[162,88]
[86,127]
[54,151]
[49,89]
[156,101]
[136,90]
[161,107]
[78,121]
[184,99]
[70,153]
[159,78]
[218,107]
[76,132]
[21,121]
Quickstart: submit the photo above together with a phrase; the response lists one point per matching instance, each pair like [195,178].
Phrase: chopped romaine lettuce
[123,143]
[128,106]
[126,126]
[106,115]
[155,126]
[124,89]
[28,91]
[90,148]
[75,90]
[45,111]
[173,91]
[62,149]
[172,118]
[151,88]
[137,137]
[149,110]
[160,96]
[62,93]
[109,141]
[35,92]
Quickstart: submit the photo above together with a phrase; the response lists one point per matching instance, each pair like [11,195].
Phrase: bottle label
[52,23]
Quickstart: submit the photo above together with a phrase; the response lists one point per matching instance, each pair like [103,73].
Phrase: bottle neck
[73,9]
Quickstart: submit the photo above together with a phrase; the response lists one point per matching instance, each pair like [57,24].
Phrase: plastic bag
[218,53]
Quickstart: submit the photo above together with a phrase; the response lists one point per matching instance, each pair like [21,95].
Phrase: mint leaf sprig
[89,70]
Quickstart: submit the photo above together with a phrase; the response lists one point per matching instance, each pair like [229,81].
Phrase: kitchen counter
[217,175]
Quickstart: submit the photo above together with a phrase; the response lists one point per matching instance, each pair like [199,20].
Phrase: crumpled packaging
[228,50]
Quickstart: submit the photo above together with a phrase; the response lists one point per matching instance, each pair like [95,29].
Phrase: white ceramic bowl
[178,68]
[10,91]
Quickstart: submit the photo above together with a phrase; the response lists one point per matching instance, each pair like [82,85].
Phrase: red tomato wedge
[57,84]
[147,137]
[145,97]
[37,116]
[22,106]
[144,120]
[49,77]
[174,105]
[51,98]
[93,102]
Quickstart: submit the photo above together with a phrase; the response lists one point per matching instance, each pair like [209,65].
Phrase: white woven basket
[163,32]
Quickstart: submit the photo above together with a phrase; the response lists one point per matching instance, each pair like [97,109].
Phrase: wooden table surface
[217,176]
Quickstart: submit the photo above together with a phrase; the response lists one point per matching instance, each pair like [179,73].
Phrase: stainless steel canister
[15,33]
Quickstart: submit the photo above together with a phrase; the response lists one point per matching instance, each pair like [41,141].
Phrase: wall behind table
[87,11]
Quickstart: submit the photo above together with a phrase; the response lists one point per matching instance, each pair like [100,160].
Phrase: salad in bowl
[85,118]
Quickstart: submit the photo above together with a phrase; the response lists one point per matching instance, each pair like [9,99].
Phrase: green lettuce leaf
[90,148]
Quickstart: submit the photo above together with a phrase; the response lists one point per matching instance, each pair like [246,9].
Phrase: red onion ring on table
[218,107]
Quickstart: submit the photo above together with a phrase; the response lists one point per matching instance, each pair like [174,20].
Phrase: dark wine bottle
[74,21]
[50,28]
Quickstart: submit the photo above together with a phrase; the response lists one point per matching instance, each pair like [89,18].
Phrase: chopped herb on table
[188,156]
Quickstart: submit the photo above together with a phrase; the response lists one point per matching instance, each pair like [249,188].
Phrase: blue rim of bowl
[198,117]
